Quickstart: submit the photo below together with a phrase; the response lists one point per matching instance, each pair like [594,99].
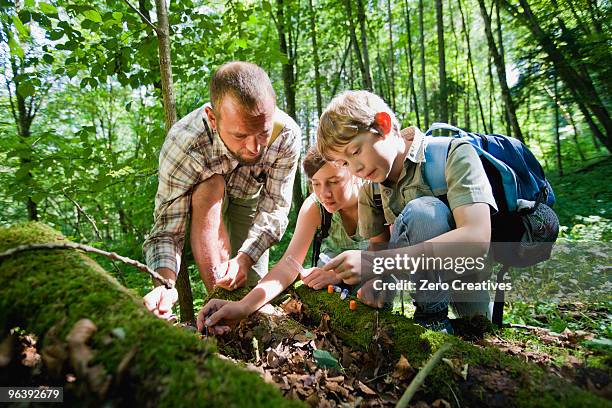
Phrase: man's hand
[375,298]
[349,268]
[160,301]
[220,315]
[233,273]
[318,278]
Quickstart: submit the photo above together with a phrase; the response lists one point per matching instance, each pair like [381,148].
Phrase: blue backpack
[516,178]
[519,174]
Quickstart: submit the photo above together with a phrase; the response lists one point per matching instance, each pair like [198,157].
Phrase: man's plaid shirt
[192,153]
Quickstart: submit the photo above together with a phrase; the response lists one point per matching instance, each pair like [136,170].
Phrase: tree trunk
[183,286]
[411,64]
[391,58]
[139,360]
[365,76]
[501,74]
[423,80]
[581,89]
[347,51]
[491,91]
[471,65]
[289,87]
[442,63]
[361,17]
[557,138]
[165,63]
[315,57]
[500,42]
[569,117]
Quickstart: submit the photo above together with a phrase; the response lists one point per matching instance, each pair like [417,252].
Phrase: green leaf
[26,89]
[38,197]
[241,42]
[23,30]
[55,35]
[117,15]
[48,58]
[92,15]
[15,47]
[48,9]
[29,3]
[266,6]
[324,359]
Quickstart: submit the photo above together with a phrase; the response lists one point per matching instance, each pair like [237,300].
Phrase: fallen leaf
[292,306]
[458,368]
[365,389]
[324,359]
[440,403]
[403,370]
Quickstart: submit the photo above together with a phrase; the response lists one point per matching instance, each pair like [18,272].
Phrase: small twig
[420,377]
[89,218]
[142,16]
[526,327]
[453,392]
[96,230]
[376,378]
[87,248]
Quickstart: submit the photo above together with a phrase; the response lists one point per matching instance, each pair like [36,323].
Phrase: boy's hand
[220,315]
[368,295]
[318,278]
[350,268]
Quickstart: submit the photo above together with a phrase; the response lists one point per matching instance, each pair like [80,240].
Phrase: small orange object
[330,288]
[353,305]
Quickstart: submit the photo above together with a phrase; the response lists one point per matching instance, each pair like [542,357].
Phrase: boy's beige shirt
[466,180]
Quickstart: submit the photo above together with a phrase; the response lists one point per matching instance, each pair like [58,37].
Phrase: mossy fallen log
[494,378]
[147,361]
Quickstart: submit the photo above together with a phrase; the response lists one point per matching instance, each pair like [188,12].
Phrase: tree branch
[142,16]
[87,248]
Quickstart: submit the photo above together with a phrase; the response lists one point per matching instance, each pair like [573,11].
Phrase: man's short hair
[247,83]
[347,115]
[312,162]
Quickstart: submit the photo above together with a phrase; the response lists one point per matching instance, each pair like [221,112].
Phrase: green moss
[533,387]
[45,288]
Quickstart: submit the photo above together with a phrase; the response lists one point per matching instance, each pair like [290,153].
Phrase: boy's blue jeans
[422,219]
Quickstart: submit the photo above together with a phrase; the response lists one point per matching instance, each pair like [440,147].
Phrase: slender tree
[500,43]
[391,58]
[411,63]
[361,17]
[365,75]
[557,137]
[471,65]
[289,87]
[442,63]
[315,58]
[423,80]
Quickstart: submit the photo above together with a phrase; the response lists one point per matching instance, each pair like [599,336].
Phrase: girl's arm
[282,274]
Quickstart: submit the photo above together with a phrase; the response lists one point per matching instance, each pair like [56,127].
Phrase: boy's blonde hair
[347,115]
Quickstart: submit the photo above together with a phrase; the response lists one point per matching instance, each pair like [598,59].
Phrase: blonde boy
[358,130]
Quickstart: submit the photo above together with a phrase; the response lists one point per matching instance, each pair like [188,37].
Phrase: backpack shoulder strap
[436,153]
[377,197]
[322,233]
